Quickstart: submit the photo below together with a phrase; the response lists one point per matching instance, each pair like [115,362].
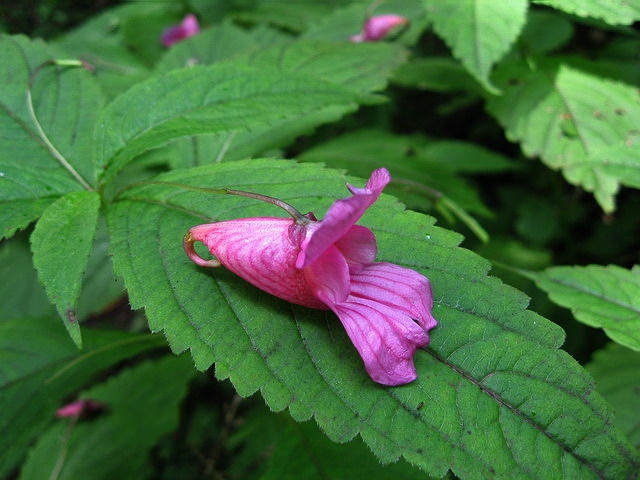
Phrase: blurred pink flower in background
[330,264]
[175,33]
[378,27]
[80,408]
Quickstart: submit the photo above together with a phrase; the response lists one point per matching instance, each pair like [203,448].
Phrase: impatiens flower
[330,264]
[377,27]
[173,34]
[80,409]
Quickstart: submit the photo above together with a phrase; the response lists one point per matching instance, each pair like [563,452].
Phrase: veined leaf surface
[600,296]
[495,397]
[200,100]
[479,32]
[43,108]
[617,12]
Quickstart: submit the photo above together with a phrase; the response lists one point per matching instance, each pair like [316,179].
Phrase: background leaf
[606,297]
[66,102]
[615,370]
[300,450]
[478,32]
[40,368]
[143,398]
[492,383]
[61,243]
[623,12]
[215,99]
[574,121]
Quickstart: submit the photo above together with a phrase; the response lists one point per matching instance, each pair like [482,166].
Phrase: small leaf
[197,100]
[46,368]
[614,12]
[582,124]
[61,243]
[479,32]
[606,297]
[491,384]
[144,398]
[615,370]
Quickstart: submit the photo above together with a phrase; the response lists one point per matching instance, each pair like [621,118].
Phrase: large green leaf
[45,146]
[479,32]
[142,399]
[40,367]
[616,12]
[615,370]
[61,243]
[606,297]
[199,100]
[361,68]
[582,124]
[495,396]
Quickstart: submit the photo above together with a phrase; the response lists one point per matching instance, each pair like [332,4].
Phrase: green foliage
[606,297]
[61,243]
[574,121]
[615,370]
[479,33]
[113,146]
[47,369]
[139,409]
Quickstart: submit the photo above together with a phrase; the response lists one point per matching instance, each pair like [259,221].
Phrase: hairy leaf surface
[495,397]
[607,297]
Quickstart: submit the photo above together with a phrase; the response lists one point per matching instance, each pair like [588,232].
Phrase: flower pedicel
[330,264]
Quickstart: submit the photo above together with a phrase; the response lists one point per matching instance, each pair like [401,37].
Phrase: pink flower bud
[378,27]
[80,408]
[175,33]
[330,264]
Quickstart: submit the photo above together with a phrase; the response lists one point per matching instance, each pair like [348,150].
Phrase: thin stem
[43,136]
[291,210]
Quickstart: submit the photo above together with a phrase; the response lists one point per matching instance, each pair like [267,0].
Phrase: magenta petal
[329,277]
[188,28]
[340,217]
[397,287]
[262,251]
[378,27]
[358,246]
[386,339]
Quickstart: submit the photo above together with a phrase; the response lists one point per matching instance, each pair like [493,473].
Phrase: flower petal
[397,287]
[358,246]
[262,251]
[328,277]
[340,217]
[385,338]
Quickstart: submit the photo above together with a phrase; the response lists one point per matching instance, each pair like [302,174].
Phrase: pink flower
[330,264]
[80,408]
[377,27]
[175,33]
